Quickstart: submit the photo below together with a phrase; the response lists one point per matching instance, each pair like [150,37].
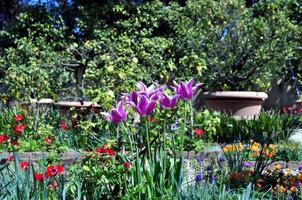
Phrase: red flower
[51,171]
[127,165]
[54,170]
[101,150]
[18,118]
[53,185]
[19,128]
[39,176]
[108,151]
[63,125]
[287,109]
[60,169]
[47,140]
[24,165]
[151,119]
[198,131]
[14,142]
[10,158]
[3,138]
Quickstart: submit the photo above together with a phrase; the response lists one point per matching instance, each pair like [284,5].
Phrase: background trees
[229,45]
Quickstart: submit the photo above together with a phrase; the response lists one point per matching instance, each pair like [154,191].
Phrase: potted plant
[242,57]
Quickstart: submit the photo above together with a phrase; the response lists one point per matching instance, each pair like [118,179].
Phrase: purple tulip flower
[167,101]
[186,89]
[247,164]
[151,90]
[117,114]
[144,105]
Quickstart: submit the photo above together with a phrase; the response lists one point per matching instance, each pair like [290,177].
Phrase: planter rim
[235,95]
[78,104]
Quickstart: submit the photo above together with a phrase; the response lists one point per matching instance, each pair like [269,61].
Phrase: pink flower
[53,185]
[198,131]
[18,117]
[47,140]
[10,158]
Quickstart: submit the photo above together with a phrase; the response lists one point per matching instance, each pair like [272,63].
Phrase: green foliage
[118,43]
[289,151]
[28,66]
[268,127]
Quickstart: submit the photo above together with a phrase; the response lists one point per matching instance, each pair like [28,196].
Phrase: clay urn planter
[240,104]
[64,106]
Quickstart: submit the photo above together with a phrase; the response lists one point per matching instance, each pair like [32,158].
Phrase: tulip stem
[129,137]
[191,117]
[148,139]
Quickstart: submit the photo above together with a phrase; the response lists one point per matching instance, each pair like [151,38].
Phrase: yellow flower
[277,167]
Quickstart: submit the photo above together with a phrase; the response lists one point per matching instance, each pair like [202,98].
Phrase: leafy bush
[226,44]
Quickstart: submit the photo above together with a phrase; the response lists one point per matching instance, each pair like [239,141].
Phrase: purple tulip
[144,105]
[117,114]
[149,91]
[186,89]
[247,164]
[300,167]
[167,101]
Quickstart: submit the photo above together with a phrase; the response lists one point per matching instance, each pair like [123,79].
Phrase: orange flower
[281,189]
[259,182]
[293,189]
[299,176]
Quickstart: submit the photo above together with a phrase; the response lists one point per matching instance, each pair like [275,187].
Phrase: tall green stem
[148,139]
[191,117]
[129,137]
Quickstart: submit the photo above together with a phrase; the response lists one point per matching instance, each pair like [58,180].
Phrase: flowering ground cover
[136,151]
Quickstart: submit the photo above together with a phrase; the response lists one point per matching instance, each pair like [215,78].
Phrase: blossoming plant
[138,108]
[239,157]
[25,180]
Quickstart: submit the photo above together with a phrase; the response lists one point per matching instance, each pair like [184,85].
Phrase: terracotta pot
[240,104]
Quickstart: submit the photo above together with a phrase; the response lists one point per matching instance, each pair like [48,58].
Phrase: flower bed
[145,147]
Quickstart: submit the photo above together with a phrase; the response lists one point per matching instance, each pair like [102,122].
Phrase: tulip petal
[197,86]
[141,86]
[107,116]
[165,101]
[150,108]
[142,104]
